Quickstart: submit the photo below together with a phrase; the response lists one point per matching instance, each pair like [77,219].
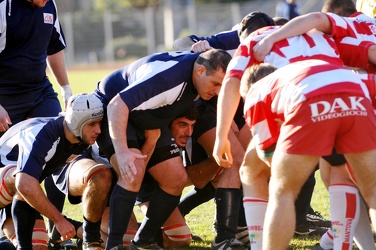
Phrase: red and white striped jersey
[353,36]
[312,45]
[279,93]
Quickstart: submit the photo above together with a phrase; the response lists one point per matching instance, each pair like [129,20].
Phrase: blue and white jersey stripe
[150,85]
[38,147]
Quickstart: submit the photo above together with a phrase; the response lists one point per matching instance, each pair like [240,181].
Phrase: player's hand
[262,48]
[66,93]
[66,229]
[201,46]
[4,120]
[222,153]
[127,167]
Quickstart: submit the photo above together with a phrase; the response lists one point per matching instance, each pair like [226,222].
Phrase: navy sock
[241,219]
[228,204]
[196,197]
[161,205]
[24,219]
[303,201]
[121,207]
[55,196]
[91,231]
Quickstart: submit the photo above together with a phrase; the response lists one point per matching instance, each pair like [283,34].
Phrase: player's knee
[178,235]
[7,187]
[99,173]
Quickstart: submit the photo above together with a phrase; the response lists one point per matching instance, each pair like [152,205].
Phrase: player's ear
[200,70]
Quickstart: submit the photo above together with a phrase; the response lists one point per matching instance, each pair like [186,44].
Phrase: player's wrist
[66,92]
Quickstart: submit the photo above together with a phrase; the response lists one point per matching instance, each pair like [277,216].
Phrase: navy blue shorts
[60,177]
[42,102]
[165,148]
[207,117]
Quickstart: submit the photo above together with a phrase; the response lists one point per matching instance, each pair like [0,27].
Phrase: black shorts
[165,148]
[207,117]
[335,159]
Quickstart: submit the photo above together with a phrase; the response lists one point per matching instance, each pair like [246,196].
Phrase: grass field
[200,219]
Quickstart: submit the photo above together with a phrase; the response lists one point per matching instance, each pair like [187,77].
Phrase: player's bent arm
[297,26]
[228,101]
[118,114]
[301,25]
[56,64]
[29,189]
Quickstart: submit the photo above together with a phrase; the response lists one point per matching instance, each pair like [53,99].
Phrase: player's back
[312,45]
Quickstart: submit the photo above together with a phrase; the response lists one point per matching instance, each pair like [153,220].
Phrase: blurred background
[109,31]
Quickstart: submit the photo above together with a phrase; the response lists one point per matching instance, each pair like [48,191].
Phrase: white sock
[326,241]
[344,212]
[255,210]
[363,231]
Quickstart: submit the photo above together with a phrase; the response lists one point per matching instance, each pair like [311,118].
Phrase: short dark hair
[254,21]
[191,114]
[254,73]
[214,59]
[340,7]
[280,20]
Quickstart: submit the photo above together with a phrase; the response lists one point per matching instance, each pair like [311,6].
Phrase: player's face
[181,130]
[208,85]
[39,3]
[91,130]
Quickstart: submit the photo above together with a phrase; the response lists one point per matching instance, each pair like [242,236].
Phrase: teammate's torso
[279,93]
[26,37]
[155,88]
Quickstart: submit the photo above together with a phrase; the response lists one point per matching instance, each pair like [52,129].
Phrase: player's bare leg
[255,175]
[289,173]
[92,181]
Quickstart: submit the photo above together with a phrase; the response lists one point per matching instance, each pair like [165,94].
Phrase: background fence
[106,37]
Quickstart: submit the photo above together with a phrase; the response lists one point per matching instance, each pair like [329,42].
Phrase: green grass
[200,219]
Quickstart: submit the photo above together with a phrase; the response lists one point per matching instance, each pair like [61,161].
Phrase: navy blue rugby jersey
[27,35]
[38,147]
[155,88]
[226,40]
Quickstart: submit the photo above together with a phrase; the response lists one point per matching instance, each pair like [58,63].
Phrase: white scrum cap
[82,108]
